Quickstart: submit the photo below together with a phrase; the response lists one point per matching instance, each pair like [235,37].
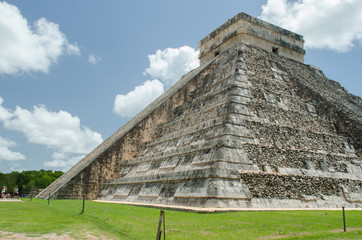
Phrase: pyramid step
[222,141]
[291,138]
[296,158]
[208,129]
[217,154]
[205,112]
[293,118]
[286,186]
[182,175]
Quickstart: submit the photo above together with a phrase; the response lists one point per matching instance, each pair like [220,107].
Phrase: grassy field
[117,221]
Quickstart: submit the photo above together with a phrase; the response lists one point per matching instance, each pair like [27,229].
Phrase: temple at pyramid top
[253,31]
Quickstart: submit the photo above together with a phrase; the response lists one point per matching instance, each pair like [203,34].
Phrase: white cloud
[170,64]
[333,24]
[4,113]
[16,166]
[133,102]
[26,48]
[6,153]
[57,130]
[63,160]
[93,59]
[167,65]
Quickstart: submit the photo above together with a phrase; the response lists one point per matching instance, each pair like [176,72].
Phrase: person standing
[16,192]
[3,192]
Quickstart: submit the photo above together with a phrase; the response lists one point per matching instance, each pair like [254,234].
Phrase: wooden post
[159,231]
[83,203]
[344,220]
[49,199]
[164,227]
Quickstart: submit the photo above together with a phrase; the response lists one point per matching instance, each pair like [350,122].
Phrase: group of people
[5,195]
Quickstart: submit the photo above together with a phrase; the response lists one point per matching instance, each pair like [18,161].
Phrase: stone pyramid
[252,127]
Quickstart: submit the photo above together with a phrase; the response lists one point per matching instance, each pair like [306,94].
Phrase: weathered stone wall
[278,186]
[331,100]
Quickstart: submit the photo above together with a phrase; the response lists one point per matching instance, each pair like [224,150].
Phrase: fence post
[164,228]
[83,204]
[49,199]
[344,220]
[159,231]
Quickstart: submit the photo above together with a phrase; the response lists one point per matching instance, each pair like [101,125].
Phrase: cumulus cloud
[93,59]
[16,166]
[54,129]
[323,23]
[59,131]
[5,114]
[170,64]
[128,105]
[27,48]
[6,153]
[63,160]
[166,68]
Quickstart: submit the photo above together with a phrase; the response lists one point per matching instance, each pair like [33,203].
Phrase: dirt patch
[208,233]
[173,230]
[307,233]
[11,235]
[51,236]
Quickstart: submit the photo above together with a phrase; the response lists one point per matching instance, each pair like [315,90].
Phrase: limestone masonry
[252,127]
[252,31]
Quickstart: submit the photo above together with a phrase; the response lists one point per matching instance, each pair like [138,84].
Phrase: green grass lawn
[129,222]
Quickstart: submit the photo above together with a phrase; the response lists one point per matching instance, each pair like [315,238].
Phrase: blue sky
[73,72]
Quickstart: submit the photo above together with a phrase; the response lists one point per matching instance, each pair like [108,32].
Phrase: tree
[26,180]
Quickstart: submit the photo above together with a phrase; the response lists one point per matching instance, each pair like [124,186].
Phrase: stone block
[170,162]
[123,190]
[144,167]
[268,169]
[151,189]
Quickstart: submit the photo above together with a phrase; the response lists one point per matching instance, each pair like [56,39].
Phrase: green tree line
[26,180]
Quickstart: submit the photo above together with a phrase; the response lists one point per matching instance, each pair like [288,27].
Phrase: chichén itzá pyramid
[252,127]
